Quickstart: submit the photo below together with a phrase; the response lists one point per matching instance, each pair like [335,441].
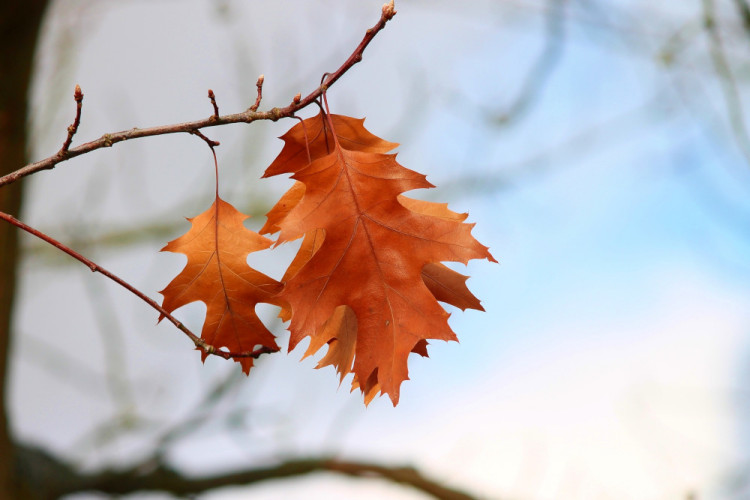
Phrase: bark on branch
[248,116]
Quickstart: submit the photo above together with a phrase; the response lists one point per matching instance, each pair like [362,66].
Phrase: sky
[611,361]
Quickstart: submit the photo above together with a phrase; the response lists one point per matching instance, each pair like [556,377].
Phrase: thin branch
[213,103]
[259,85]
[199,343]
[73,128]
[732,98]
[744,9]
[121,389]
[249,116]
[198,415]
[64,368]
[542,69]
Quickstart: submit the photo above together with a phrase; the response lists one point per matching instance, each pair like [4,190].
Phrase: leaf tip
[245,363]
[489,256]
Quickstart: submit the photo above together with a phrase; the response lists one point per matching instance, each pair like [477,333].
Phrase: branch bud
[389,10]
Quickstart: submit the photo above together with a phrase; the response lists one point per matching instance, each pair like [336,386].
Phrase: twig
[543,67]
[211,143]
[197,416]
[732,97]
[121,388]
[259,85]
[199,343]
[73,128]
[249,116]
[213,103]
[61,366]
[744,9]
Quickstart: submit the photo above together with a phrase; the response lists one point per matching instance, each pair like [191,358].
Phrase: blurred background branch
[55,479]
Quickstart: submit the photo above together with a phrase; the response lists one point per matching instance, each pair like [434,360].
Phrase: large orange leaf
[445,284]
[312,139]
[217,273]
[358,283]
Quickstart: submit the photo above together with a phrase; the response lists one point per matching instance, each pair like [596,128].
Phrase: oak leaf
[368,276]
[217,273]
[445,284]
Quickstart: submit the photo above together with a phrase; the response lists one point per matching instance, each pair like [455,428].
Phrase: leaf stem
[307,139]
[330,121]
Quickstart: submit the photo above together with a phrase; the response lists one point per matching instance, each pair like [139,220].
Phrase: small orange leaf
[217,246]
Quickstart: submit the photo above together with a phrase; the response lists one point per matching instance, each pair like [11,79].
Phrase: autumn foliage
[368,276]
[217,273]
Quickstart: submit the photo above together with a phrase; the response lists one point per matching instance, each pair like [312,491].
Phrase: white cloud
[635,409]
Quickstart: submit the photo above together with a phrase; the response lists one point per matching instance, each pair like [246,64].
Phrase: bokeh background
[600,146]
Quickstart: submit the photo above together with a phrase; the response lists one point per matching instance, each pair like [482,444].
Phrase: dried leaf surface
[368,275]
[217,273]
